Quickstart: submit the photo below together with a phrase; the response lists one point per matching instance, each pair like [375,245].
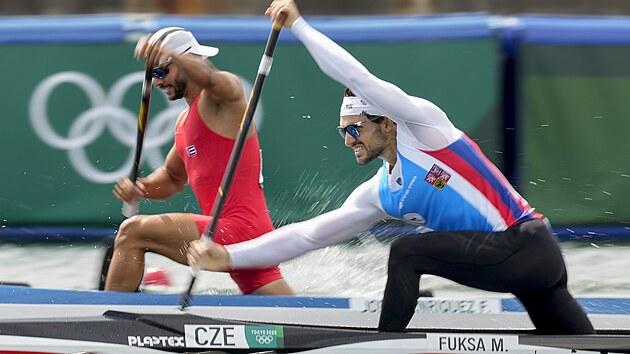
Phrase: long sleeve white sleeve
[421,119]
[360,211]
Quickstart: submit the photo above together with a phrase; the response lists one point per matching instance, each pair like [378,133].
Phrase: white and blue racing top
[440,181]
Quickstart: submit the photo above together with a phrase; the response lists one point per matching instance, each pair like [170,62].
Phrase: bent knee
[401,247]
[131,226]
[398,251]
[130,230]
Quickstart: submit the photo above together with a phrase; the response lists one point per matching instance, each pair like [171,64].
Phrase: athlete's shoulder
[182,118]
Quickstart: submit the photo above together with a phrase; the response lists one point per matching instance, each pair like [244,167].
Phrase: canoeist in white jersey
[473,227]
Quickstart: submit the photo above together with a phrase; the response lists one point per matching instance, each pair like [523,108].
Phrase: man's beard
[371,155]
[375,151]
[179,87]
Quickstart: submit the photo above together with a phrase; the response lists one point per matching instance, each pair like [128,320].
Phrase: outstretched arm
[418,117]
[360,211]
[337,63]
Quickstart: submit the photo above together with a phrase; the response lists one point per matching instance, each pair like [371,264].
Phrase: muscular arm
[360,211]
[421,118]
[222,100]
[167,180]
[220,86]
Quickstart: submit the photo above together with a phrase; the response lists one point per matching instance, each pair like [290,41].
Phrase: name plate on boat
[233,336]
[462,343]
[436,305]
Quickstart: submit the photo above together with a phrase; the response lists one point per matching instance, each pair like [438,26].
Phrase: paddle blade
[130,209]
[186,298]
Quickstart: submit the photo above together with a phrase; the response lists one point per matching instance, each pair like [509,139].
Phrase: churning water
[597,268]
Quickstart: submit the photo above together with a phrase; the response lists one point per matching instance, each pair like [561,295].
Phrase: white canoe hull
[60,321]
[431,313]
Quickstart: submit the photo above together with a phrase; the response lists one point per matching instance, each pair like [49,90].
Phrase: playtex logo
[156,341]
[237,336]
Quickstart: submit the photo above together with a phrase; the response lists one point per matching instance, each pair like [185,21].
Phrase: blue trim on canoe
[595,306]
[26,295]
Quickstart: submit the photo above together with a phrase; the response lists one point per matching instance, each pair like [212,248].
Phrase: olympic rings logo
[107,113]
[264,339]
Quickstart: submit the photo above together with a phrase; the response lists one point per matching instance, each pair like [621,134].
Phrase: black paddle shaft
[248,117]
[131,209]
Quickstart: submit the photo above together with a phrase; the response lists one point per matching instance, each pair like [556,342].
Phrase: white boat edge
[491,313]
[473,343]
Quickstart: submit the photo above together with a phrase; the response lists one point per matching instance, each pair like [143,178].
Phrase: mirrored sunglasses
[352,129]
[161,72]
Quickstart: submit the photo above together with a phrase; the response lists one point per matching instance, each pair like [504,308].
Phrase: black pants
[524,260]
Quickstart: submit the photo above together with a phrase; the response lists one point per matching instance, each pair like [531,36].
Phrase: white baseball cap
[182,41]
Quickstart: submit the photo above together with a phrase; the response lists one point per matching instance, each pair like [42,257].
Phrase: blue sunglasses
[161,72]
[352,129]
